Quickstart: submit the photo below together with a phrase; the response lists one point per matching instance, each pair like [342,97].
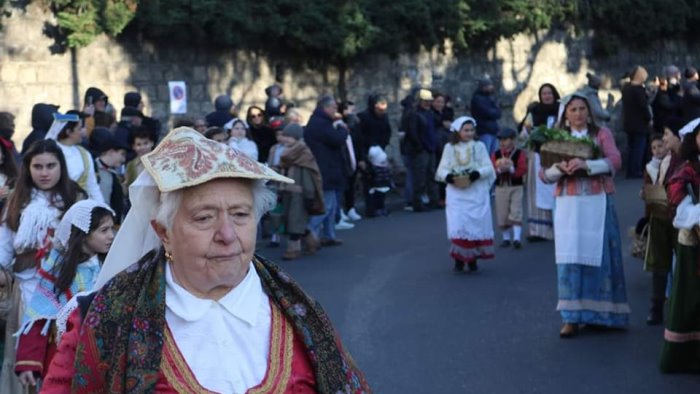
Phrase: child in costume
[511,167]
[379,181]
[303,198]
[468,209]
[84,234]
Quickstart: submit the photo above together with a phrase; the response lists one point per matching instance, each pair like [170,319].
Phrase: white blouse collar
[242,302]
[579,133]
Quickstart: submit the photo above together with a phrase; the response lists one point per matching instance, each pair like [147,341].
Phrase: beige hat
[186,158]
[425,95]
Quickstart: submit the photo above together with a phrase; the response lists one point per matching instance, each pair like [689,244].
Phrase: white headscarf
[688,128]
[78,215]
[457,124]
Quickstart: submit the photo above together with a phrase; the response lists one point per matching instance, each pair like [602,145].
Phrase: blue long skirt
[596,295]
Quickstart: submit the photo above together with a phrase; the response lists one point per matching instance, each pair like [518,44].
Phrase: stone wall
[31,73]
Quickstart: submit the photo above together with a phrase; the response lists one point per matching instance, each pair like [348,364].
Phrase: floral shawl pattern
[122,338]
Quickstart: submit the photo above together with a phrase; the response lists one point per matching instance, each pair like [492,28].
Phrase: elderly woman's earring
[169,256]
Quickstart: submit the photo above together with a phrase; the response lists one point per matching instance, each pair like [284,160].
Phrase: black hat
[506,133]
[102,140]
[690,71]
[132,99]
[131,111]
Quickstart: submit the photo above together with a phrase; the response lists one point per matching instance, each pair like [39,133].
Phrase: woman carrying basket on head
[587,243]
[466,168]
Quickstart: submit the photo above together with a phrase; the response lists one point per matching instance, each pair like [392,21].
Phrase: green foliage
[339,32]
[83,20]
[543,134]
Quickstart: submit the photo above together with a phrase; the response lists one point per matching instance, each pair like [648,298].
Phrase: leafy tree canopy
[342,31]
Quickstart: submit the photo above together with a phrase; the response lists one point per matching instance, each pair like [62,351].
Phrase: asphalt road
[414,326]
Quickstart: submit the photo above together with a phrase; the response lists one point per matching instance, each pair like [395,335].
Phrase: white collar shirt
[226,342]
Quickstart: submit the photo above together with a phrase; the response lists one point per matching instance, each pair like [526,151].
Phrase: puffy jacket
[326,143]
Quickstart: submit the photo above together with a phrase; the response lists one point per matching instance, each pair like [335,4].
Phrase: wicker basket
[553,152]
[461,182]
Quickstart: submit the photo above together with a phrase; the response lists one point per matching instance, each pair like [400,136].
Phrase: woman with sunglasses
[263,135]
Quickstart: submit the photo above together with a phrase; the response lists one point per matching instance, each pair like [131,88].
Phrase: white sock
[517,232]
[506,234]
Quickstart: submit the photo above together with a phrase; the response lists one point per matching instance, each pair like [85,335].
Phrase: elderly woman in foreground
[198,313]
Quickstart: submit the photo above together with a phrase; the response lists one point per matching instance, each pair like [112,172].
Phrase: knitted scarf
[122,334]
[44,304]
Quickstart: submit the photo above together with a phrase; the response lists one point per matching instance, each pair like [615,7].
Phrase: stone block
[197,92]
[9,72]
[199,74]
[163,93]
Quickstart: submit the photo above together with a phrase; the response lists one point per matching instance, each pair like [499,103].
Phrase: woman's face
[212,239]
[45,170]
[238,131]
[256,117]
[577,114]
[547,95]
[466,133]
[100,239]
[439,103]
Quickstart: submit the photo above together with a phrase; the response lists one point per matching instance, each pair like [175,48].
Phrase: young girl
[240,138]
[588,251]
[42,192]
[83,238]
[681,349]
[469,223]
[8,170]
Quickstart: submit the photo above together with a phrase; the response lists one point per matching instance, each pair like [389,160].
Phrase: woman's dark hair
[64,194]
[74,254]
[8,167]
[592,127]
[248,116]
[454,136]
[689,146]
[555,92]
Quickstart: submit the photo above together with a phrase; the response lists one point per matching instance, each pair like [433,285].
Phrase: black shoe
[655,317]
[331,242]
[517,245]
[472,266]
[505,244]
[459,266]
[534,238]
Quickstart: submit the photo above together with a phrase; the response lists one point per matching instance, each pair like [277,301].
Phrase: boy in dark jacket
[511,166]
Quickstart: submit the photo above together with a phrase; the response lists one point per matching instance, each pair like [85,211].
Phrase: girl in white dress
[469,221]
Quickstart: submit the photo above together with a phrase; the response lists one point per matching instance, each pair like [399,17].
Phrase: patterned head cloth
[184,158]
[78,215]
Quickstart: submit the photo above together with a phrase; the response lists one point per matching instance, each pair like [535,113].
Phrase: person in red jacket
[511,166]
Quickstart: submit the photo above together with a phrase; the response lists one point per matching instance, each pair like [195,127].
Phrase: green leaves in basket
[542,134]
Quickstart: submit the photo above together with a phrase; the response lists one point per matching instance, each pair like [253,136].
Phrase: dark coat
[375,130]
[420,134]
[264,137]
[486,111]
[326,143]
[666,108]
[690,105]
[42,118]
[218,118]
[635,110]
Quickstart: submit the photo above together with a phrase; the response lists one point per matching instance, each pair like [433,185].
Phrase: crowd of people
[81,175]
